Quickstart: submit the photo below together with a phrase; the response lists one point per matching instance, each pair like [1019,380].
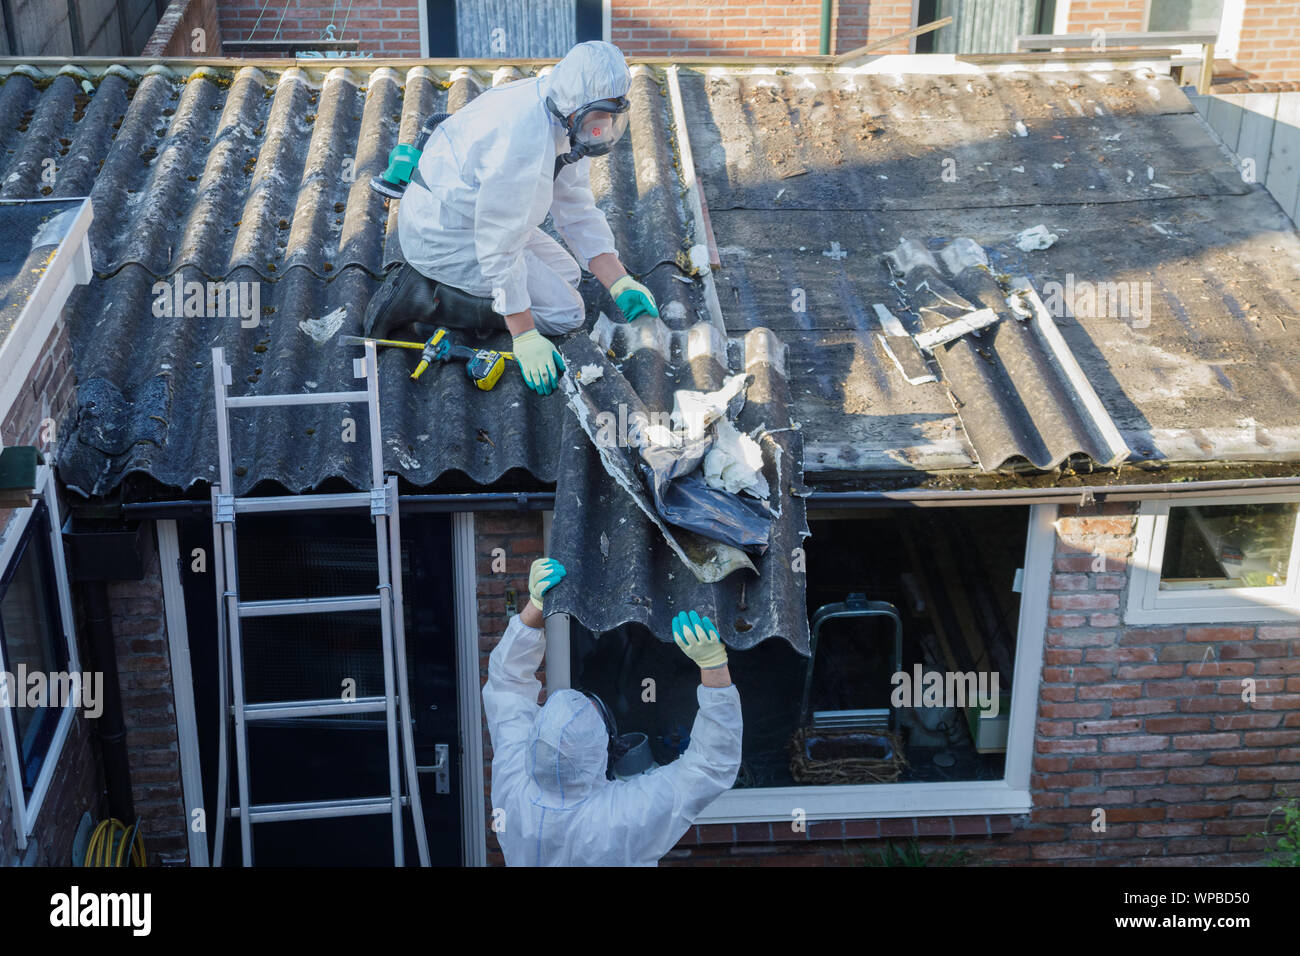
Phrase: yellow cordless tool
[483,366]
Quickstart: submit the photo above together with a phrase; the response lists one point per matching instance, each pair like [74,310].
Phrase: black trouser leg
[406,297]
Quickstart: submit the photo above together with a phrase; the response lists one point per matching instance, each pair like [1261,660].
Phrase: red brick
[1145,671]
[1119,654]
[1152,635]
[1108,726]
[1104,761]
[1218,633]
[1135,743]
[1177,725]
[1110,692]
[1087,601]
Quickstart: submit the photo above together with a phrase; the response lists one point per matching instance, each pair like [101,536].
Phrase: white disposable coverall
[548,769]
[489,169]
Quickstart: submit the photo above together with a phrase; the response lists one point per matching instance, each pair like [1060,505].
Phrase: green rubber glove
[633,299]
[539,361]
[542,576]
[699,640]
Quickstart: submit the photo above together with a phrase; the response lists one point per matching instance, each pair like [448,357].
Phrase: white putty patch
[403,458]
[323,329]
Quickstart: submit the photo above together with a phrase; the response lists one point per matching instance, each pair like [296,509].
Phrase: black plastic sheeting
[622,569]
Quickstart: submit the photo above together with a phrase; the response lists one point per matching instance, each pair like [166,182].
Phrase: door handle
[441,769]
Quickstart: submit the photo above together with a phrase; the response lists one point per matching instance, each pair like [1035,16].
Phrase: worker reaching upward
[468,223]
[551,789]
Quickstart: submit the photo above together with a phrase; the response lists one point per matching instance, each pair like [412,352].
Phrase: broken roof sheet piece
[1018,390]
[621,568]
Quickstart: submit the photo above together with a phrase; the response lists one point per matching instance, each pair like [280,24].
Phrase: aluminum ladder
[381,499]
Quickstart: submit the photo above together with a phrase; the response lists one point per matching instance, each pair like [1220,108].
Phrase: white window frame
[1147,604]
[1010,795]
[26,811]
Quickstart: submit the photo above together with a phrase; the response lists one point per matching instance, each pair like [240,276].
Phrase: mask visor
[600,126]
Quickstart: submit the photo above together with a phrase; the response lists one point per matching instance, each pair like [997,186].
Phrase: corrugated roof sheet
[1019,393]
[810,175]
[262,177]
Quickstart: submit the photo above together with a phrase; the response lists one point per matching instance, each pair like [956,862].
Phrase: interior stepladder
[381,499]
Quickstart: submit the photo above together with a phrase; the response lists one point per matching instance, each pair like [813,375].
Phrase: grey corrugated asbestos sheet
[1045,410]
[261,176]
[810,177]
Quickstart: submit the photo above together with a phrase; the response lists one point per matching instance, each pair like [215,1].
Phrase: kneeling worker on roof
[468,223]
[552,781]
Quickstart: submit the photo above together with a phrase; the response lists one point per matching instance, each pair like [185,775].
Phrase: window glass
[32,636]
[916,616]
[1202,16]
[1227,546]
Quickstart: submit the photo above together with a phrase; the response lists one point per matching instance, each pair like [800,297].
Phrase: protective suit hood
[567,750]
[594,70]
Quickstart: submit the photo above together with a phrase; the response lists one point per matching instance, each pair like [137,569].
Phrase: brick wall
[1149,724]
[728,27]
[859,22]
[144,673]
[1270,39]
[174,35]
[48,394]
[1119,16]
[382,27]
[520,535]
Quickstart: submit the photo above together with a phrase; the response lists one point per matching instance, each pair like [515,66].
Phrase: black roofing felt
[810,178]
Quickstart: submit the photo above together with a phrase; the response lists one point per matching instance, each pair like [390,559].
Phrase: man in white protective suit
[468,224]
[551,786]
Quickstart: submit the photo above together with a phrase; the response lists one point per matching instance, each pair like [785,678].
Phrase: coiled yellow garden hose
[112,841]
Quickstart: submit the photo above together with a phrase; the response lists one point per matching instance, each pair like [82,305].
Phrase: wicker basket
[846,756]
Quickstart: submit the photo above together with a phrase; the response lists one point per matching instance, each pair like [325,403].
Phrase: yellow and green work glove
[542,576]
[633,299]
[699,640]
[539,361]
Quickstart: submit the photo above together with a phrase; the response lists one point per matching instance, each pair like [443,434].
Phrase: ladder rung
[314,708]
[329,605]
[318,809]
[320,398]
[277,503]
